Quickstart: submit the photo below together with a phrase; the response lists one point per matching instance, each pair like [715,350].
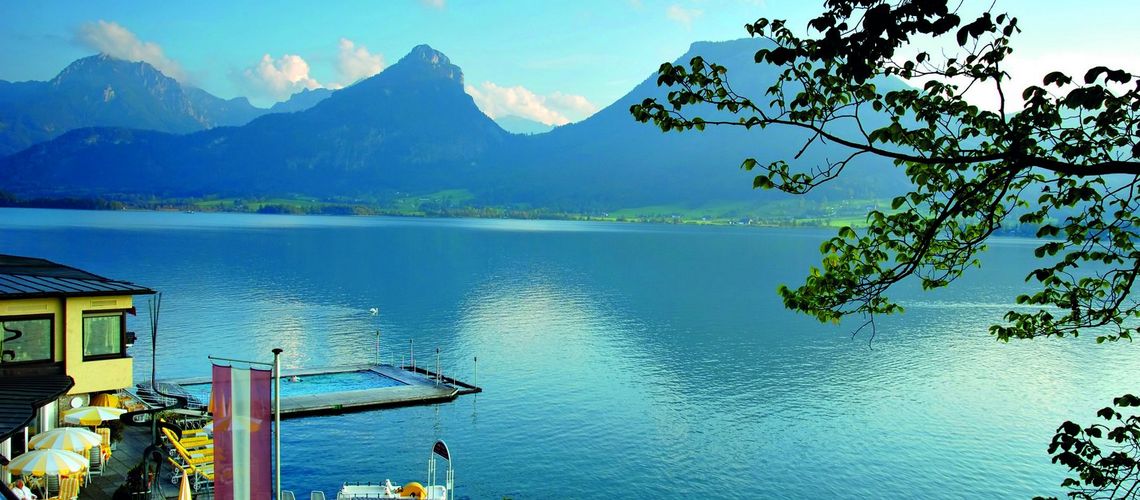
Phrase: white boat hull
[388,491]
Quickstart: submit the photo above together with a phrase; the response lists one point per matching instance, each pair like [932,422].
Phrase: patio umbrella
[109,400]
[92,415]
[48,462]
[184,488]
[75,439]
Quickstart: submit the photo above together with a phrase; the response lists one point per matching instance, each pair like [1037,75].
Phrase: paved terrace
[128,454]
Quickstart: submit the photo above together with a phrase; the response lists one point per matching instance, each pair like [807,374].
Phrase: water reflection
[646,356]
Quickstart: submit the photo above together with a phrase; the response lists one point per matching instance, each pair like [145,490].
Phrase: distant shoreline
[489,213]
[365,211]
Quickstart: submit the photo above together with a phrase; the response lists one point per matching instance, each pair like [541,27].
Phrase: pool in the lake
[316,384]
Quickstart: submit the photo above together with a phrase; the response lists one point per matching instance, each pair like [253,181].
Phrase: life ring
[414,490]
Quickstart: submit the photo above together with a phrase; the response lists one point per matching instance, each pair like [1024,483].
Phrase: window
[103,335]
[26,339]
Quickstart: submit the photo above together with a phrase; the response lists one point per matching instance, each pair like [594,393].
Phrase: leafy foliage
[1061,155]
[1050,164]
[1108,469]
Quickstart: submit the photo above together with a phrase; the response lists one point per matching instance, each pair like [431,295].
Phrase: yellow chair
[195,433]
[68,489]
[195,456]
[105,447]
[189,443]
[202,473]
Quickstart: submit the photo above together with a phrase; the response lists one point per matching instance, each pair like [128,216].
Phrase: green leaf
[1095,73]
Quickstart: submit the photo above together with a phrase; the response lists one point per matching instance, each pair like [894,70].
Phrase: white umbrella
[75,439]
[48,462]
[92,415]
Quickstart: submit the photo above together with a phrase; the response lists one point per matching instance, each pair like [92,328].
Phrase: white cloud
[114,40]
[553,109]
[683,16]
[435,4]
[574,106]
[355,62]
[280,78]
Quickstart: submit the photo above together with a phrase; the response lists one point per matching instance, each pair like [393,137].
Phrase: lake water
[645,360]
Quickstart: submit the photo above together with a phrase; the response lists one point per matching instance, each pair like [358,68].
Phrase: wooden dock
[419,387]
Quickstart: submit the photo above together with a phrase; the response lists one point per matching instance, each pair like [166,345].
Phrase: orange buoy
[414,490]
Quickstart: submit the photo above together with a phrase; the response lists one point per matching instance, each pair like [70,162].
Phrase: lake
[647,360]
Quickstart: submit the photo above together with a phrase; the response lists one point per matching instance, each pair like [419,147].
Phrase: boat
[387,490]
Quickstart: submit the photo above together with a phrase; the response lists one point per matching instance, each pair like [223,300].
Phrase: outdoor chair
[105,447]
[195,432]
[196,456]
[288,495]
[201,475]
[68,489]
[95,458]
[192,436]
[317,495]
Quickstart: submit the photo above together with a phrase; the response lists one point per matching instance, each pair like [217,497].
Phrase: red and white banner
[243,419]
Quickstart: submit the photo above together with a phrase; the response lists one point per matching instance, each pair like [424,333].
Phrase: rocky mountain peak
[424,62]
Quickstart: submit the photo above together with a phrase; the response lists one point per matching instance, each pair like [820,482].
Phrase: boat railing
[362,491]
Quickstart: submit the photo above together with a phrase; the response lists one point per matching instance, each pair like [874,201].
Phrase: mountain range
[409,129]
[518,125]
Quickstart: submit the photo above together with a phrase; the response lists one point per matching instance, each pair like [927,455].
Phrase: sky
[550,61]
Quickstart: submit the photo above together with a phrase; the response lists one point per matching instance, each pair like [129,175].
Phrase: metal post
[476,372]
[438,375]
[375,311]
[277,420]
[412,352]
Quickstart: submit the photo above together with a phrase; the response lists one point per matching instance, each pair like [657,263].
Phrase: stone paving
[128,454]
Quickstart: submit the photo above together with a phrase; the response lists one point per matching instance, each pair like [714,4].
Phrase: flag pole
[277,420]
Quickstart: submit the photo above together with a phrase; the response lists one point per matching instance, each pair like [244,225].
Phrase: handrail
[216,358]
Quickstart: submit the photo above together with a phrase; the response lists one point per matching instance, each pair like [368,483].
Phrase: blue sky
[549,60]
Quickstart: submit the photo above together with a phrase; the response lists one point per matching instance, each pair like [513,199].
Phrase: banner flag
[243,414]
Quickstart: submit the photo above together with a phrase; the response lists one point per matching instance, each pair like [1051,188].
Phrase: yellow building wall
[93,376]
[89,376]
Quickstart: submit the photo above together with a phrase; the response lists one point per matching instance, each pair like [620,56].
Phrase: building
[64,338]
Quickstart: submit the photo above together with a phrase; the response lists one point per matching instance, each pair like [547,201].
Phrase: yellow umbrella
[184,488]
[48,462]
[75,439]
[92,415]
[105,399]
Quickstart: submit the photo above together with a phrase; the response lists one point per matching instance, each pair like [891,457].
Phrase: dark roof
[27,277]
[21,396]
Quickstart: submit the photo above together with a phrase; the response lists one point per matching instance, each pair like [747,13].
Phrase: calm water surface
[616,359]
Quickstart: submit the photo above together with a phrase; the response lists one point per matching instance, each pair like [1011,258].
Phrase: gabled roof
[28,277]
[21,396]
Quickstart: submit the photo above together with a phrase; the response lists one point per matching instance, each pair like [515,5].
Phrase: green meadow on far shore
[796,212]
